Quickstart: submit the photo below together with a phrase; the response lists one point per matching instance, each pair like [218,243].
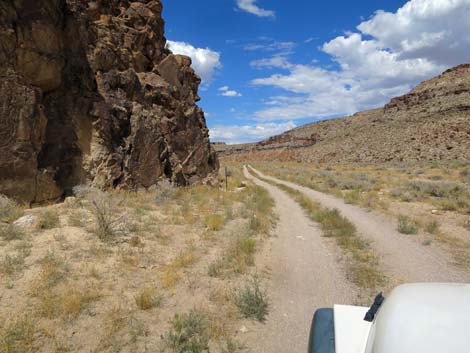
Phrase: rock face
[89,93]
[430,123]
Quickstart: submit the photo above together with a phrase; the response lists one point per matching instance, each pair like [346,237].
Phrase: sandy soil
[403,257]
[305,274]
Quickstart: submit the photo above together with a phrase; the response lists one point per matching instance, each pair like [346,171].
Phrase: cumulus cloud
[249,133]
[387,56]
[251,7]
[204,60]
[227,92]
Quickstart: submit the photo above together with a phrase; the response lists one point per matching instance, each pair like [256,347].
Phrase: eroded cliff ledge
[88,93]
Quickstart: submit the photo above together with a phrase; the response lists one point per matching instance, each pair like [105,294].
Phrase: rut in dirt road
[305,275]
[402,257]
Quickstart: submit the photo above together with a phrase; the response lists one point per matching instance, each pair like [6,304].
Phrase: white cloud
[276,61]
[267,44]
[390,54]
[248,133]
[204,61]
[250,7]
[227,92]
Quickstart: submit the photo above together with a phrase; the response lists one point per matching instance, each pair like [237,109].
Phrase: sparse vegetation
[189,333]
[99,251]
[432,227]
[11,264]
[18,335]
[10,211]
[251,300]
[214,222]
[406,225]
[108,222]
[147,299]
[10,232]
[49,219]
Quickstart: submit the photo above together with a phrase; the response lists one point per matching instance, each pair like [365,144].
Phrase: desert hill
[432,122]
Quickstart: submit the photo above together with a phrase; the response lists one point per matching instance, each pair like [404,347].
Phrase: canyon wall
[90,94]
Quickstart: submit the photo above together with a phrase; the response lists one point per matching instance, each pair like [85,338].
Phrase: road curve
[304,275]
[402,258]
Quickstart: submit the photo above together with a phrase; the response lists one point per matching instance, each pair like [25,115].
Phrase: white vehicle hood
[351,331]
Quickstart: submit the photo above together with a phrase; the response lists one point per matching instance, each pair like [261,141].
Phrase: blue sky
[270,65]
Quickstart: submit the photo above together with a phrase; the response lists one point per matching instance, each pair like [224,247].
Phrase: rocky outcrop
[430,123]
[90,94]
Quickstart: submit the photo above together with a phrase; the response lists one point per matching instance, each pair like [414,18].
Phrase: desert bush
[48,220]
[18,336]
[189,333]
[11,264]
[251,300]
[9,210]
[165,191]
[147,299]
[439,189]
[11,232]
[108,221]
[406,225]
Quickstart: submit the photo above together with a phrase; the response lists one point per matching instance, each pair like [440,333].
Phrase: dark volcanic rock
[89,93]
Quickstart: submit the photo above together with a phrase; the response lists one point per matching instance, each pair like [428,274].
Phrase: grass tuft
[147,299]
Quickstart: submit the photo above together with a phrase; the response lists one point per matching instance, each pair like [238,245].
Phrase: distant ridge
[432,122]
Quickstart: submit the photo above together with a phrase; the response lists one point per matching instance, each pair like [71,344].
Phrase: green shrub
[251,301]
[406,225]
[189,333]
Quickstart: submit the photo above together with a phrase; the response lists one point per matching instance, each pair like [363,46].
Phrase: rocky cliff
[89,93]
[430,123]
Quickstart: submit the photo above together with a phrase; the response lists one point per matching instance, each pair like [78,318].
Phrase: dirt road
[304,275]
[403,257]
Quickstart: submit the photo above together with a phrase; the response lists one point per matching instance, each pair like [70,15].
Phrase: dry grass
[103,273]
[147,299]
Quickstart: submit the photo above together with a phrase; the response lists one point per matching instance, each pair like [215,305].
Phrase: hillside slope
[432,122]
[90,94]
